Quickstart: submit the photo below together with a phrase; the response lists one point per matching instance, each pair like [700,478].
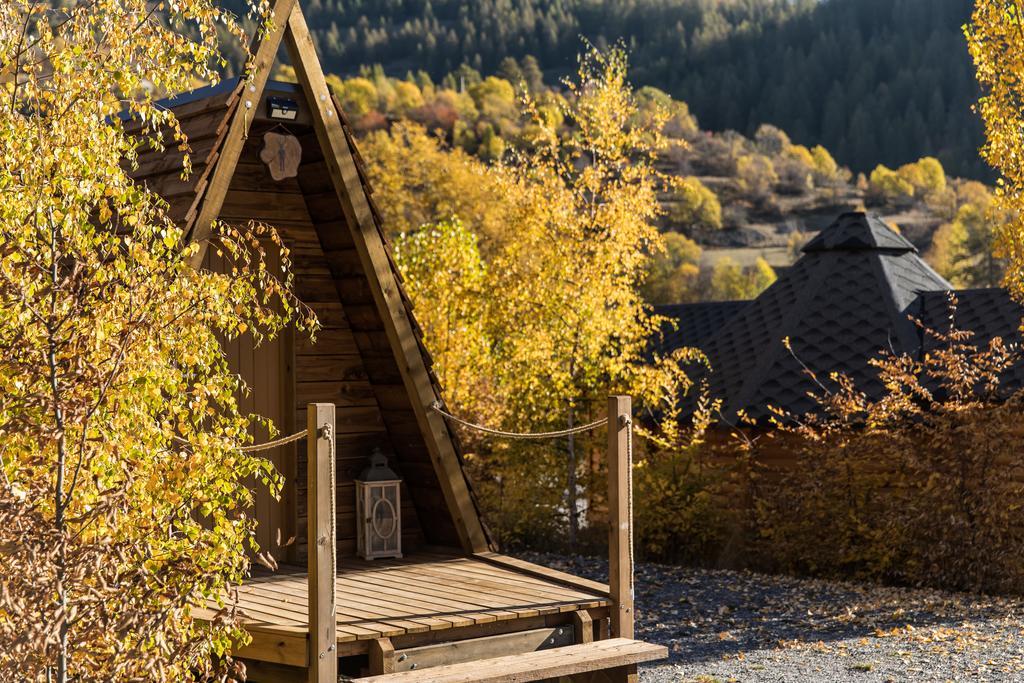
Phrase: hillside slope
[875,81]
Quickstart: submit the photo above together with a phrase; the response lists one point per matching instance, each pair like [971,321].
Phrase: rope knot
[327,431]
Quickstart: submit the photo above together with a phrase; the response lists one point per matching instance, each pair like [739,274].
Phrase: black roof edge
[700,304]
[968,290]
[226,85]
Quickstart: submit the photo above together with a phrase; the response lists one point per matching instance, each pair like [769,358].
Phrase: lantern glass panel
[383,518]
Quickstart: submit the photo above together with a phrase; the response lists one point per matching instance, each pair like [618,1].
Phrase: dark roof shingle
[848,298]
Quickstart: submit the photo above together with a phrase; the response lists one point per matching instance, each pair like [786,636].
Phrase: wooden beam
[373,256]
[475,649]
[620,560]
[541,572]
[620,655]
[267,672]
[264,54]
[289,499]
[320,544]
[583,626]
[620,674]
[277,648]
[491,628]
[382,657]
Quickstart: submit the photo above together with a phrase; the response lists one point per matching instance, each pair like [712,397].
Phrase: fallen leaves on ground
[717,615]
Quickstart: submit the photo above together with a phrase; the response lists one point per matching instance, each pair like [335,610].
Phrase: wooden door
[266,370]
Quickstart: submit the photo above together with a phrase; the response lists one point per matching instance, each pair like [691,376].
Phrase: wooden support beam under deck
[382,656]
[583,627]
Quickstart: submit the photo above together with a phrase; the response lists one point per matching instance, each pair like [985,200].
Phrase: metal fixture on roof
[282,108]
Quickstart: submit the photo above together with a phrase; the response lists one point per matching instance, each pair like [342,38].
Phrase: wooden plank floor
[420,592]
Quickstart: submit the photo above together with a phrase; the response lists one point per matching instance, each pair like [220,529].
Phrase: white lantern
[378,510]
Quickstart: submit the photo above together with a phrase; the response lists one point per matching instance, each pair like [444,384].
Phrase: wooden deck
[420,593]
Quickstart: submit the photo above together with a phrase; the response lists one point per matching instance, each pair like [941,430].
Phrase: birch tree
[123,492]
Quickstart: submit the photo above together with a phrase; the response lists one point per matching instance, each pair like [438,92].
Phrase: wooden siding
[329,369]
[340,275]
[266,371]
[353,363]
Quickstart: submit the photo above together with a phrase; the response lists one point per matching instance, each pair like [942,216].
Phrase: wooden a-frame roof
[217,122]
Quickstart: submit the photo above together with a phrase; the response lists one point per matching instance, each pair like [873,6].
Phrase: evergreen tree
[805,66]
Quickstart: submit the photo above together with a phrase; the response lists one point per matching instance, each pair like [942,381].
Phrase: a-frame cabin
[450,601]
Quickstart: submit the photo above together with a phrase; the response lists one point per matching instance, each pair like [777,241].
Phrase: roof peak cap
[859,231]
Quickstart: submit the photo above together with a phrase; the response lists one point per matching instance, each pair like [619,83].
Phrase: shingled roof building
[851,295]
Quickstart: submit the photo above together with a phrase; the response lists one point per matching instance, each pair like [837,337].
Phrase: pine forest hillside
[874,81]
[735,208]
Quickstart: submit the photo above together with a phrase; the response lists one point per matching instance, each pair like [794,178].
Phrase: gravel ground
[722,626]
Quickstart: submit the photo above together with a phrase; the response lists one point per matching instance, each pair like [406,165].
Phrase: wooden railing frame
[322,534]
[620,522]
[321,543]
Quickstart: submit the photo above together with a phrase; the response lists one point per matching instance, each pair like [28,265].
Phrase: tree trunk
[60,524]
[60,500]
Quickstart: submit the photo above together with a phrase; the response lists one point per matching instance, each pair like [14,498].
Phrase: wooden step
[535,666]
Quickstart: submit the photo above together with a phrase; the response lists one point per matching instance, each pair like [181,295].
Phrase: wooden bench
[617,657]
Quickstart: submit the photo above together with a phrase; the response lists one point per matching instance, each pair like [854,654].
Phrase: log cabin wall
[341,278]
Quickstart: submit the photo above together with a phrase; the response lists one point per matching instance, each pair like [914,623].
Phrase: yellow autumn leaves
[121,485]
[529,285]
[995,38]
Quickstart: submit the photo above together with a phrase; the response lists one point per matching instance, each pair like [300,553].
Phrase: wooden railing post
[321,547]
[620,560]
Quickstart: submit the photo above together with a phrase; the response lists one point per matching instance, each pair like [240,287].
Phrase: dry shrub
[680,488]
[679,514]
[922,485]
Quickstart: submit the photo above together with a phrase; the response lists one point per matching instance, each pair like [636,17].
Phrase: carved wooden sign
[282,154]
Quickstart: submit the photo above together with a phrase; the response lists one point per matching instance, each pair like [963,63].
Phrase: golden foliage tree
[123,492]
[673,275]
[442,265]
[694,206]
[679,515]
[424,182]
[565,245]
[963,250]
[732,282]
[584,206]
[923,179]
[995,38]
[887,185]
[826,170]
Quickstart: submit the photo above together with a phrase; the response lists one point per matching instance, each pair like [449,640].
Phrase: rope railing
[436,406]
[257,447]
[283,441]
